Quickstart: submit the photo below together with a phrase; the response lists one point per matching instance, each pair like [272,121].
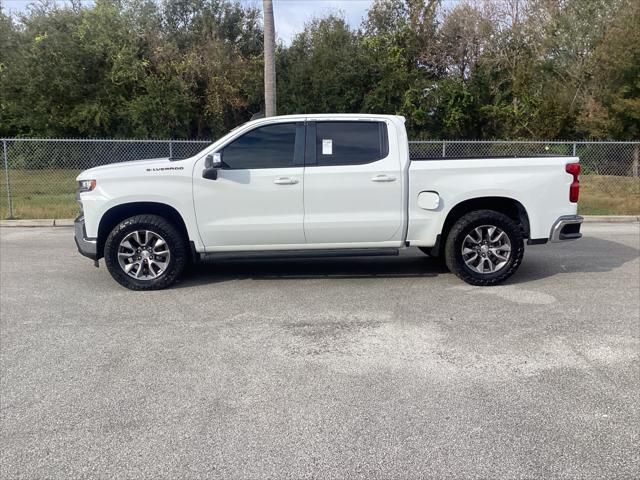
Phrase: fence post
[636,160]
[171,151]
[444,149]
[574,154]
[6,177]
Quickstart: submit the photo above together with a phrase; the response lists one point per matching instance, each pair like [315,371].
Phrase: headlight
[86,185]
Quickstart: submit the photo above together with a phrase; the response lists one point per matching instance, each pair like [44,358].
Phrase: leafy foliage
[193,68]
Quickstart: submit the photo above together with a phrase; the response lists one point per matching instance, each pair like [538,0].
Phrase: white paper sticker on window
[327,146]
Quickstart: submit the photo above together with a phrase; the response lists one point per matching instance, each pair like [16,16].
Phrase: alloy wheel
[144,255]
[486,249]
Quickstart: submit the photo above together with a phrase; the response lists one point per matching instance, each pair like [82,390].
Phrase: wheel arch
[506,205]
[123,211]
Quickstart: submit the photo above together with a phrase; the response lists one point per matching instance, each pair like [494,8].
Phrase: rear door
[257,200]
[352,184]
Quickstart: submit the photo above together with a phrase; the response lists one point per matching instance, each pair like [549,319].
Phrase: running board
[281,254]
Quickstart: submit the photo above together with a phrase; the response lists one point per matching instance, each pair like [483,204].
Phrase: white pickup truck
[322,185]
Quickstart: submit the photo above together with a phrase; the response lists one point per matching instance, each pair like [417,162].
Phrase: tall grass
[609,195]
[40,193]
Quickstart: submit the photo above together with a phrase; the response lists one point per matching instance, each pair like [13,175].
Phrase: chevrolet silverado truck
[322,185]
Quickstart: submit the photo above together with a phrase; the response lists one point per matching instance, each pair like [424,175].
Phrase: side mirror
[212,163]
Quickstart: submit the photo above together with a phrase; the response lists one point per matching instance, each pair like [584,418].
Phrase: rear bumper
[86,246]
[566,228]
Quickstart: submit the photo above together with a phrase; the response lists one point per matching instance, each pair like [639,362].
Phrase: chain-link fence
[37,178]
[599,158]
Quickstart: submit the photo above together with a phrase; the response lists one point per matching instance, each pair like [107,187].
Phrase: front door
[257,200]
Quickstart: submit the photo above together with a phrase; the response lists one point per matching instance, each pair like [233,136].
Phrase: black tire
[468,223]
[175,241]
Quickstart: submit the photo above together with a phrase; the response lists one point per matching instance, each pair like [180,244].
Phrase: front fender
[174,191]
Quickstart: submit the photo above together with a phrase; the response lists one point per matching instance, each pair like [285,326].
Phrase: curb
[41,222]
[611,218]
[68,222]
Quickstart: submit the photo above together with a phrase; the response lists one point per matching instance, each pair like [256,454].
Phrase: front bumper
[566,228]
[86,246]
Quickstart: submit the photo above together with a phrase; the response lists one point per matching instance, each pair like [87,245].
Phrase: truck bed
[539,183]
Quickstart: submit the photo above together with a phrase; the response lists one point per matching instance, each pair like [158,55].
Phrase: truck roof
[324,116]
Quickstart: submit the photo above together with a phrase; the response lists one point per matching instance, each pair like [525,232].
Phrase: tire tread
[458,267]
[170,233]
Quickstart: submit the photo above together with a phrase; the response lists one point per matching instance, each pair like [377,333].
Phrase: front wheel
[484,248]
[145,252]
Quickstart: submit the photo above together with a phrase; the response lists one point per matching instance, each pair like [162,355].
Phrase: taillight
[574,189]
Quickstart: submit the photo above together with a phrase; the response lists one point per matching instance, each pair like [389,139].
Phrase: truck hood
[124,167]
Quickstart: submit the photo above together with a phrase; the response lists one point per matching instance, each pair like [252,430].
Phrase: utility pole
[269,59]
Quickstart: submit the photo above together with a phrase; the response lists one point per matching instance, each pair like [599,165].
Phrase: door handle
[285,181]
[383,178]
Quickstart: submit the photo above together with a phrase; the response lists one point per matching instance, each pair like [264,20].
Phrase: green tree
[397,35]
[194,68]
[323,70]
[612,105]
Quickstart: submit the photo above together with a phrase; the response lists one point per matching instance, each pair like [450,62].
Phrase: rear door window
[350,143]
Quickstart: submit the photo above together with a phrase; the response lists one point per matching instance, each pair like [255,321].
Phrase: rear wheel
[145,252]
[484,247]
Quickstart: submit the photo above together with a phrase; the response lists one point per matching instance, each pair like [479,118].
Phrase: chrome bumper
[86,246]
[566,228]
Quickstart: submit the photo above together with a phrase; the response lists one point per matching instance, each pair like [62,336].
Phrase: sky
[291,15]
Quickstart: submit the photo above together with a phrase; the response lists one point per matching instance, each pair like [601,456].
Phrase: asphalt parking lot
[341,368]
